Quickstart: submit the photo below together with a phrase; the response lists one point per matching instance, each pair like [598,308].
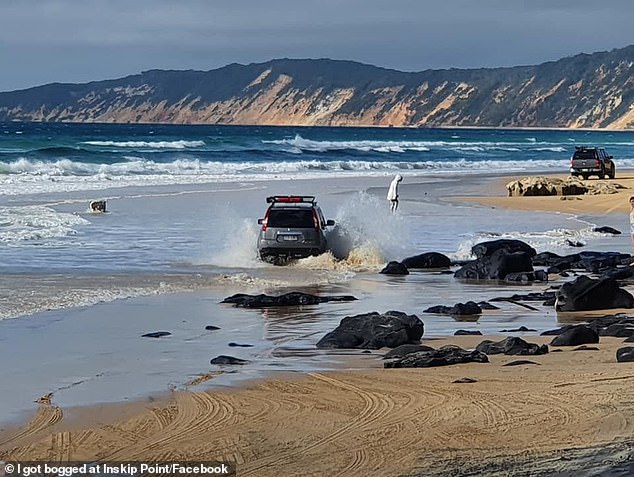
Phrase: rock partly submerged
[374,330]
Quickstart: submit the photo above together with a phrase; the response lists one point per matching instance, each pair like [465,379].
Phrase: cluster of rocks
[547,186]
[499,260]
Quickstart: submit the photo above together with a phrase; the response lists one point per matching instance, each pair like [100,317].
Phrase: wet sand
[367,422]
[540,418]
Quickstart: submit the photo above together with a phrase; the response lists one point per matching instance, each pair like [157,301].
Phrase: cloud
[81,40]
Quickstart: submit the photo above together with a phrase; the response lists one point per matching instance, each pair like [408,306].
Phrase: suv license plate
[290,238]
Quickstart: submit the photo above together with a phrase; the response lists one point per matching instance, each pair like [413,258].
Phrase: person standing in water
[392,193]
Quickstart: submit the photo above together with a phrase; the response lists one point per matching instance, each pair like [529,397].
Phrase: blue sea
[64,157]
[78,289]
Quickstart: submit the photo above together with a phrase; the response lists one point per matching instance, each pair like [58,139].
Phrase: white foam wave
[36,223]
[25,176]
[298,143]
[151,144]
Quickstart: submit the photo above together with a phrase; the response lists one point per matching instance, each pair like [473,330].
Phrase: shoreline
[359,417]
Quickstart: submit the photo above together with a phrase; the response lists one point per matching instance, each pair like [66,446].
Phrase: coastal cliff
[584,91]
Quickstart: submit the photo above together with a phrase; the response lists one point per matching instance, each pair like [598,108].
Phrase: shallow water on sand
[163,259]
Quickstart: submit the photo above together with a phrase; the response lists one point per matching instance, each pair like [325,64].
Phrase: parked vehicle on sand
[293,227]
[592,161]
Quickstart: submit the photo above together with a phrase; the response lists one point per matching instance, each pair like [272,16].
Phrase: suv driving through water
[591,161]
[293,227]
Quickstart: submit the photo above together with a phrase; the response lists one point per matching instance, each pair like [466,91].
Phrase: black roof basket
[290,199]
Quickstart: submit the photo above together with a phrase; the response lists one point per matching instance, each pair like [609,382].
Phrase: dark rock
[511,345]
[574,243]
[366,351]
[521,329]
[395,268]
[586,293]
[212,328]
[520,362]
[156,334]
[629,340]
[428,260]
[288,299]
[485,305]
[618,330]
[239,345]
[459,309]
[445,356]
[224,359]
[625,355]
[586,348]
[406,349]
[588,261]
[484,249]
[467,332]
[556,331]
[465,380]
[576,335]
[619,273]
[374,331]
[606,230]
[496,266]
[534,296]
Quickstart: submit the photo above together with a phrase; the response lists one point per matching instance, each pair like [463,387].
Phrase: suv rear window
[298,218]
[588,154]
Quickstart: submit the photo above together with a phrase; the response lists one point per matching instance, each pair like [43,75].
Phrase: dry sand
[582,204]
[531,418]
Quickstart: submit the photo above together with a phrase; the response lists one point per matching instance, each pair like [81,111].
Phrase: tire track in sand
[45,417]
[375,406]
[197,413]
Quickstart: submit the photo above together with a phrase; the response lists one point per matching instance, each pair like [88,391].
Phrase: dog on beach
[98,206]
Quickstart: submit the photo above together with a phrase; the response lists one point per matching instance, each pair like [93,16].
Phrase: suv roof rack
[290,199]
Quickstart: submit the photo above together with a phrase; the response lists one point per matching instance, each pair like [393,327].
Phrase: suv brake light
[265,220]
[315,220]
[598,163]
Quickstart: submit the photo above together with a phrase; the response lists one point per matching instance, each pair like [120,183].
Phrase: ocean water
[184,200]
[78,289]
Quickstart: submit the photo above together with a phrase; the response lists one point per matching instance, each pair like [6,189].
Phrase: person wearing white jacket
[392,192]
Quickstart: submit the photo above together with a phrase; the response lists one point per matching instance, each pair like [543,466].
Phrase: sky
[74,41]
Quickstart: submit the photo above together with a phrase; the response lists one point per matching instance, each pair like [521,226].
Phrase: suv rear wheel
[612,172]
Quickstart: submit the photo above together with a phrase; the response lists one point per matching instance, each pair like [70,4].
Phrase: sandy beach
[567,411]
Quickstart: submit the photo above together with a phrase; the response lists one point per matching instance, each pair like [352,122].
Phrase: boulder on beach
[496,266]
[395,268]
[625,355]
[430,260]
[288,299]
[576,335]
[374,330]
[445,356]
[406,349]
[459,309]
[484,249]
[512,345]
[224,359]
[585,293]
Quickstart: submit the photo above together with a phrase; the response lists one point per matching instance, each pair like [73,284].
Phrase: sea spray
[367,233]
[239,243]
